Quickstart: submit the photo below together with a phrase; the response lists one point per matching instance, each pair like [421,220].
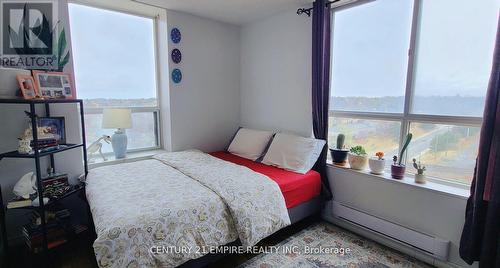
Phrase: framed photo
[54,85]
[27,86]
[53,128]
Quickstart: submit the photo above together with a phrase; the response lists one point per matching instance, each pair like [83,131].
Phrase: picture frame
[55,127]
[54,85]
[27,86]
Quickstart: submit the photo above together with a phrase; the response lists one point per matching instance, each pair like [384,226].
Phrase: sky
[454,48]
[113,53]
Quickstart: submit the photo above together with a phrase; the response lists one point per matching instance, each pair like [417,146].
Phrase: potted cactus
[357,157]
[339,154]
[420,176]
[377,163]
[397,168]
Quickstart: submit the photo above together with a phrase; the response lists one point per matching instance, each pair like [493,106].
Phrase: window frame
[155,110]
[407,116]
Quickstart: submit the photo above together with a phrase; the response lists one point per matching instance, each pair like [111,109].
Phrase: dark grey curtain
[321,84]
[481,233]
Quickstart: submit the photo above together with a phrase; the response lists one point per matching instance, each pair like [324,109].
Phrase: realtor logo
[28,34]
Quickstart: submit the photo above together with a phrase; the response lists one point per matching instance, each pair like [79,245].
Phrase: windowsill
[131,157]
[445,189]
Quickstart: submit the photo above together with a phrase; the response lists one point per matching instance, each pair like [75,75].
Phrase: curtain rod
[307,11]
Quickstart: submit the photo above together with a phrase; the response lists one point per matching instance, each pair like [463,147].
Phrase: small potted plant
[377,163]
[339,154]
[397,168]
[420,176]
[357,157]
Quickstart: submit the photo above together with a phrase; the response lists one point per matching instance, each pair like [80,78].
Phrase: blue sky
[454,48]
[113,53]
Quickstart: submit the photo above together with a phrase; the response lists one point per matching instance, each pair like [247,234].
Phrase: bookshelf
[42,236]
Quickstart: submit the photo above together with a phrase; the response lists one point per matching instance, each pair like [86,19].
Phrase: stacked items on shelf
[18,202]
[55,185]
[58,226]
[45,143]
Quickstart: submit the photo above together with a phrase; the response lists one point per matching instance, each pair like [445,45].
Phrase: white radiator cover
[431,245]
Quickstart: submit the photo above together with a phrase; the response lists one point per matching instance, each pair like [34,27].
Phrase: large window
[115,66]
[416,66]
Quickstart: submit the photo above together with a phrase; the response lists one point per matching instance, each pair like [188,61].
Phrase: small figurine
[24,146]
[96,146]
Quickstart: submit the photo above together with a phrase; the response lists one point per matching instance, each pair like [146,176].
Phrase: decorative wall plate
[176,75]
[175,35]
[176,55]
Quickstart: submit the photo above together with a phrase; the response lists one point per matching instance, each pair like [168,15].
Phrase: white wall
[275,94]
[430,212]
[205,107]
[276,74]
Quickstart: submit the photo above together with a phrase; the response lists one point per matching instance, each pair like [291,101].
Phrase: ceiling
[236,12]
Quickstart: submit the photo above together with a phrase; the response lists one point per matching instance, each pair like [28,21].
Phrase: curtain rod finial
[306,11]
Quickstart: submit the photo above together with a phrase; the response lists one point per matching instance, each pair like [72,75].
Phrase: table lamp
[120,119]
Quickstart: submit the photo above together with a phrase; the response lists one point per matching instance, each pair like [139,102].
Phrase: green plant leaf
[405,146]
[358,150]
[62,63]
[61,44]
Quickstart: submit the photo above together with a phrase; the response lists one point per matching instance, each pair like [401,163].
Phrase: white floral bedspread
[202,202]
[255,201]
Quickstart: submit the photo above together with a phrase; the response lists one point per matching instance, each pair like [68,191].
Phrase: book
[50,245]
[19,203]
[42,143]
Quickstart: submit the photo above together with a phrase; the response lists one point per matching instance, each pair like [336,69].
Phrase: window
[453,56]
[413,66]
[115,66]
[359,35]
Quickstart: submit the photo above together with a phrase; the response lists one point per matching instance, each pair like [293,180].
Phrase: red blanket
[296,188]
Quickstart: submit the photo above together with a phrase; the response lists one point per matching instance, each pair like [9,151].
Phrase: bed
[176,208]
[296,188]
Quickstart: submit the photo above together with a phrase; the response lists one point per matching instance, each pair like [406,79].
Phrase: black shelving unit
[36,156]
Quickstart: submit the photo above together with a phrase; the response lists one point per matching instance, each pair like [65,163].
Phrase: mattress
[296,188]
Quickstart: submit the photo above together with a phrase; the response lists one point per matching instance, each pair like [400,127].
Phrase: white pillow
[293,153]
[250,143]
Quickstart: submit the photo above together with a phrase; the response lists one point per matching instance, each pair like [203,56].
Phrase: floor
[326,245]
[80,255]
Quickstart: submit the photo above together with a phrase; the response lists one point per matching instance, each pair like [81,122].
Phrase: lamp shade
[117,118]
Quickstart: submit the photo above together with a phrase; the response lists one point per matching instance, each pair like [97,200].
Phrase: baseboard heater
[431,245]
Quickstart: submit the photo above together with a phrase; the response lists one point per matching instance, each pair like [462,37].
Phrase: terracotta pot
[420,178]
[377,166]
[357,162]
[398,171]
[339,156]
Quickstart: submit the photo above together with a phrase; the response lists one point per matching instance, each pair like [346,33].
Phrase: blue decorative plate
[176,55]
[176,75]
[175,35]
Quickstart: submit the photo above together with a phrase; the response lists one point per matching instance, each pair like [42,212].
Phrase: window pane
[141,135]
[449,152]
[454,55]
[114,57]
[370,56]
[374,135]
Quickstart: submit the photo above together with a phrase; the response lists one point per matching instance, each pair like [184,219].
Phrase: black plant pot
[339,156]
[398,171]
